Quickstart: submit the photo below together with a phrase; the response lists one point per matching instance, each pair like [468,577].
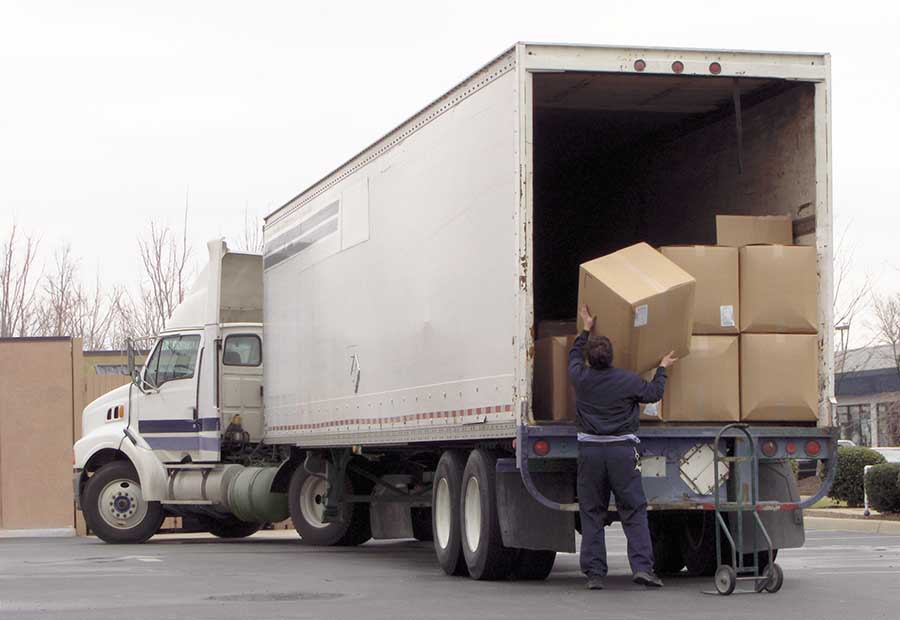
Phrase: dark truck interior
[620,159]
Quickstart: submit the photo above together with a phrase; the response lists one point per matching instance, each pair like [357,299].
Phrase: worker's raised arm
[577,365]
[652,391]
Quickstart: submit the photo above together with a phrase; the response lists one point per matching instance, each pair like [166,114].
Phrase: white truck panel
[398,316]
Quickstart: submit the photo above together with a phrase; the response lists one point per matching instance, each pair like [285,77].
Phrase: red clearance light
[677,66]
[715,68]
[791,448]
[541,447]
[769,448]
[813,447]
[513,444]
[639,65]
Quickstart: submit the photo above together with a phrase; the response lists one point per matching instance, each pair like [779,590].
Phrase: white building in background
[867,387]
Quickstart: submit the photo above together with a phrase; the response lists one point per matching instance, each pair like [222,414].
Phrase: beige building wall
[41,388]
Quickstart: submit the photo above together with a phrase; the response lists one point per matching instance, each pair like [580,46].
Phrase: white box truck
[370,375]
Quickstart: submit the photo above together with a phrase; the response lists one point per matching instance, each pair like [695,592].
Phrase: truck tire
[445,518]
[114,508]
[231,527]
[306,494]
[421,524]
[482,542]
[533,564]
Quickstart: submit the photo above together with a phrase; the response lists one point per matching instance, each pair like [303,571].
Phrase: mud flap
[526,524]
[785,527]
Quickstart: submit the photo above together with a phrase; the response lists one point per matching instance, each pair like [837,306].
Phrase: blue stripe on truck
[178,426]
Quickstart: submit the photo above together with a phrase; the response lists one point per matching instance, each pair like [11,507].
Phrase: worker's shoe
[647,579]
[595,583]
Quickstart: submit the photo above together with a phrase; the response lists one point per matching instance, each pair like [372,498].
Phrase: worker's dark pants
[603,468]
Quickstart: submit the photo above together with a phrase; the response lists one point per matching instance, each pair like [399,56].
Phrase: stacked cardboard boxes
[744,309]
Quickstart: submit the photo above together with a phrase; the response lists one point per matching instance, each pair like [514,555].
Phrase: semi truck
[370,375]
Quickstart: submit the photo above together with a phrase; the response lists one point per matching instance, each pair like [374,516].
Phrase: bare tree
[847,303]
[17,284]
[59,304]
[251,240]
[164,258]
[886,311]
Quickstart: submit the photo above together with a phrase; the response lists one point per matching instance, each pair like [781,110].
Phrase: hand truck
[727,575]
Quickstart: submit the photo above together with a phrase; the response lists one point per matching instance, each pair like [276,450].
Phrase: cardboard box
[716,300]
[778,289]
[644,303]
[547,329]
[553,393]
[740,230]
[779,377]
[706,385]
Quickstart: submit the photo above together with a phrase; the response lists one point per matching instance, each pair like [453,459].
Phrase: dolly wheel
[775,578]
[726,579]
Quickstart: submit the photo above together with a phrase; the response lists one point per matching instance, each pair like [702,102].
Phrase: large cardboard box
[554,395]
[644,303]
[546,329]
[705,386]
[778,289]
[716,300]
[740,230]
[779,377]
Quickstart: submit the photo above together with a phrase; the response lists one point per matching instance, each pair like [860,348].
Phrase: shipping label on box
[779,377]
[553,393]
[717,296]
[644,303]
[779,288]
[705,386]
[740,230]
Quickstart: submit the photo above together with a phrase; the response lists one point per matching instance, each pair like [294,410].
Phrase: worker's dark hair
[600,352]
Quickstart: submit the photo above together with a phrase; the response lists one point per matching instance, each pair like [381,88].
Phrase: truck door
[241,372]
[168,416]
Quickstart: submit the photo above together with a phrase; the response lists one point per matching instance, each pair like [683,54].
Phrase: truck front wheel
[306,501]
[114,507]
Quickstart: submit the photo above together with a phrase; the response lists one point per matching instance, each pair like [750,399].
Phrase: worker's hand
[586,319]
[668,360]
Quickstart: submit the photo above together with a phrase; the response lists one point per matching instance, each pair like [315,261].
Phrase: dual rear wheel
[466,523]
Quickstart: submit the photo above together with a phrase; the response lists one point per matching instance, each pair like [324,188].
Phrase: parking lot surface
[271,576]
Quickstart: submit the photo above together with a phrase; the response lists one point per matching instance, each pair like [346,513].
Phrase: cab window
[242,350]
[174,357]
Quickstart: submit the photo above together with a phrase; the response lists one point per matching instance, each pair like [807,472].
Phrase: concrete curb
[869,526]
[59,532]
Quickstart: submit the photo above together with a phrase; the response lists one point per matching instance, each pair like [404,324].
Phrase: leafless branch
[17,284]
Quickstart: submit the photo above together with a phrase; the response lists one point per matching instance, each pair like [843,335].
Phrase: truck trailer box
[778,289]
[778,377]
[705,386]
[554,395]
[740,230]
[644,303]
[717,298]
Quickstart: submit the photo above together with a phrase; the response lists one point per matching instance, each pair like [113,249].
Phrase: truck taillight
[541,447]
[769,448]
[715,68]
[639,65]
[677,66]
[790,447]
[813,447]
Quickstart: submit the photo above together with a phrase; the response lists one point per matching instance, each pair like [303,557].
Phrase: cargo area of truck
[620,159]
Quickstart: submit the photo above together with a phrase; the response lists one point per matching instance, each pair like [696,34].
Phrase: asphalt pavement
[846,575]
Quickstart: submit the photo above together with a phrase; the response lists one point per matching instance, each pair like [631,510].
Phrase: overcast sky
[111,113]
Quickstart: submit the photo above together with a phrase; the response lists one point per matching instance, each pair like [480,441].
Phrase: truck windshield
[174,357]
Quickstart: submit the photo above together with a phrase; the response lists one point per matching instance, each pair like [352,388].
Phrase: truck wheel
[421,524]
[482,542]
[665,532]
[114,508]
[445,517]
[306,501]
[231,527]
[532,564]
[698,543]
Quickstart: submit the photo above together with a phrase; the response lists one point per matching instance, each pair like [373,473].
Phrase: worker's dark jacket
[607,400]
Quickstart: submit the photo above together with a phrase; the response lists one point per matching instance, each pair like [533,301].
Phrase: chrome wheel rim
[473,514]
[312,501]
[121,504]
